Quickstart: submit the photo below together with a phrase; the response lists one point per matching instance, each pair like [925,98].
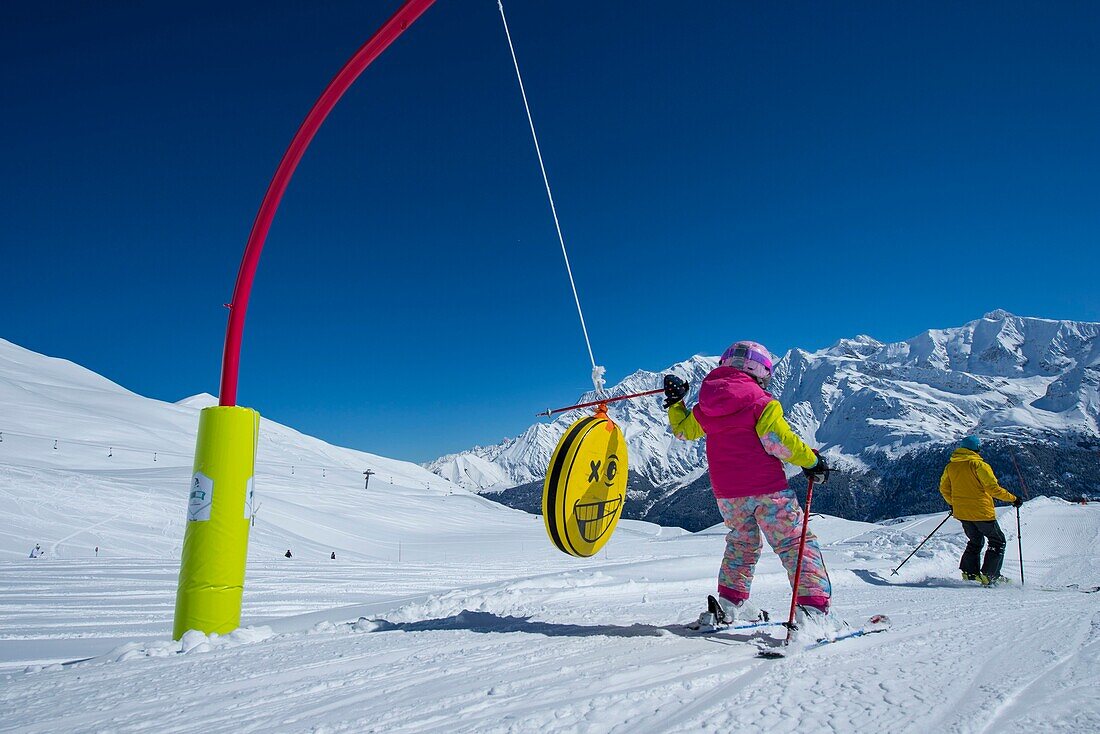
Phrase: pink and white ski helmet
[751,358]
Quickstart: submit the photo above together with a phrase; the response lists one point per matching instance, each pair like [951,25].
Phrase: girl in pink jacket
[747,442]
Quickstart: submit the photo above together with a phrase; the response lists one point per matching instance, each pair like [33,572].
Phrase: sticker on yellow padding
[585,487]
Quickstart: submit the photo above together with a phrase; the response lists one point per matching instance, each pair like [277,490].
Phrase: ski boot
[812,624]
[980,577]
[723,612]
[997,580]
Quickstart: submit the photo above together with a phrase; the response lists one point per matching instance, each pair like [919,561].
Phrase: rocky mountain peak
[861,401]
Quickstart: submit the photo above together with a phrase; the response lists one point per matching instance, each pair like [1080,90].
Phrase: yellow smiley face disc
[582,498]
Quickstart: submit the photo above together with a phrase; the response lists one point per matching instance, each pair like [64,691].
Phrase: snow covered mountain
[1029,385]
[1001,375]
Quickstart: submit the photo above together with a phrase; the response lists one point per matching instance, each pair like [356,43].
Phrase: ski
[714,629]
[715,620]
[1065,589]
[1072,587]
[1084,589]
[877,623]
[718,621]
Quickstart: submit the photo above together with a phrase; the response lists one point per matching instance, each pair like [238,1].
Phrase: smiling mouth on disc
[594,518]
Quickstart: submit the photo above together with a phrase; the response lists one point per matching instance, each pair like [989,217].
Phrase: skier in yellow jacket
[969,487]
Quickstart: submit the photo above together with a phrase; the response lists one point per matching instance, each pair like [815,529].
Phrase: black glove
[1017,502]
[819,472]
[675,390]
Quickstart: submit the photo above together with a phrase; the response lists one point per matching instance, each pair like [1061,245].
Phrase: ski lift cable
[597,371]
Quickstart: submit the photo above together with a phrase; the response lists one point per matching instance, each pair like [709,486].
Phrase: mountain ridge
[866,403]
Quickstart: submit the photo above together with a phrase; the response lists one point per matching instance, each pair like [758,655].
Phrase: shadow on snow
[874,579]
[486,622]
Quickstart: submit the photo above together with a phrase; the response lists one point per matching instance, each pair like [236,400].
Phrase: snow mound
[200,401]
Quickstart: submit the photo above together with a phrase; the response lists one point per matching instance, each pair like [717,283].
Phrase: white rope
[597,372]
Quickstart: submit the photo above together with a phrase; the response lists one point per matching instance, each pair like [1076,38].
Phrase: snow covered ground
[527,641]
[472,621]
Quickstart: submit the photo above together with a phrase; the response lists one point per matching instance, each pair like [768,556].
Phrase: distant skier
[969,487]
[747,442]
[36,551]
[288,553]
[333,556]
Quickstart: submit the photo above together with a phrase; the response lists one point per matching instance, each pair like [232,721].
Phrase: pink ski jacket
[747,436]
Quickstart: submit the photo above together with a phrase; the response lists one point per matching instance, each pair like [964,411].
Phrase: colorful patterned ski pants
[780,517]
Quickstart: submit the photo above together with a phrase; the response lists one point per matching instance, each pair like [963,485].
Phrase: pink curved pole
[405,16]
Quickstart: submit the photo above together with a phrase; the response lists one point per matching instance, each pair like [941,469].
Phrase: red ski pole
[801,552]
[600,402]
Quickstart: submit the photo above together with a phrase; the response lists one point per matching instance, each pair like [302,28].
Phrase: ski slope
[446,612]
[530,642]
[86,463]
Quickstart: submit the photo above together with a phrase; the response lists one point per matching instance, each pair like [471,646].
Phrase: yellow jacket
[969,486]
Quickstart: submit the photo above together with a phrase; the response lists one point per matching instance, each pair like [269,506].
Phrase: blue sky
[791,173]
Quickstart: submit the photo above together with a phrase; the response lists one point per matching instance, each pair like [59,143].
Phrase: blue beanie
[971,442]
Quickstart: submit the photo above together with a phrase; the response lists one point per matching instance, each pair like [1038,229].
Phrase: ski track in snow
[510,646]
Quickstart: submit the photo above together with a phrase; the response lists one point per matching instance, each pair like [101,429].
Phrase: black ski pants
[976,533]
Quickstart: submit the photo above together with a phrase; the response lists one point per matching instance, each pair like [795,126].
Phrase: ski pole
[798,563]
[600,402]
[1020,546]
[895,571]
[1020,540]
